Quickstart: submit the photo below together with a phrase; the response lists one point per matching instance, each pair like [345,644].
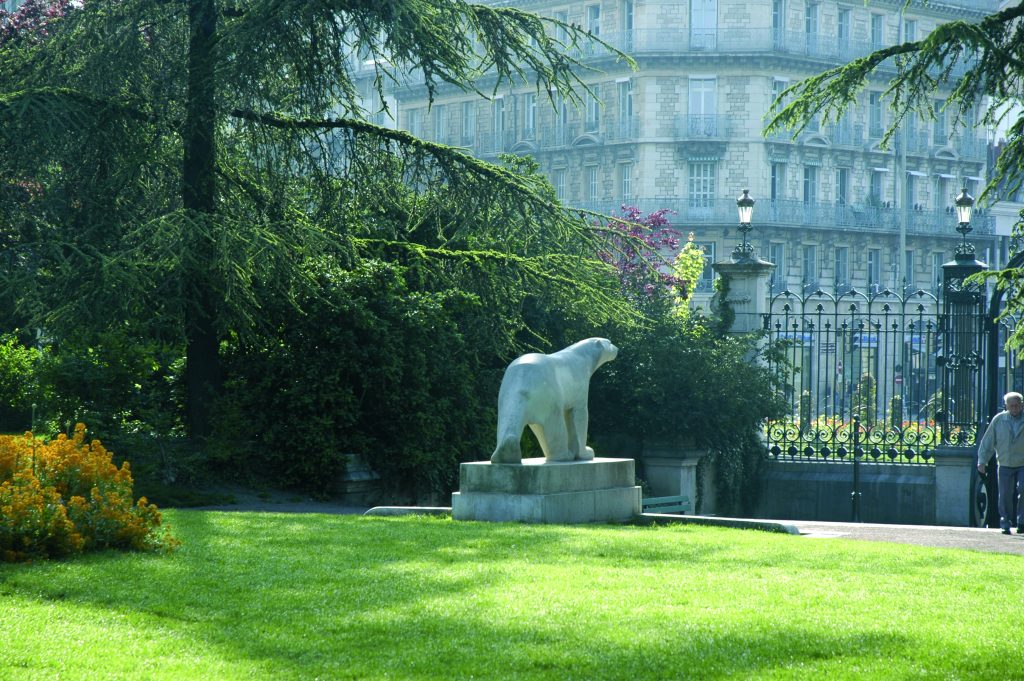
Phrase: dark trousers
[1011,481]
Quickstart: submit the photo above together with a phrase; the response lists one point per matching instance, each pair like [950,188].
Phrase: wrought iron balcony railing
[792,213]
[704,126]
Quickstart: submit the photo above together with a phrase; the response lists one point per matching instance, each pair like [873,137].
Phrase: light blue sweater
[999,439]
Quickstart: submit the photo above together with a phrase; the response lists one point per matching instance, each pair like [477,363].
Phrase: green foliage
[66,496]
[18,384]
[991,55]
[677,376]
[992,50]
[896,411]
[805,411]
[688,266]
[99,108]
[865,403]
[398,382]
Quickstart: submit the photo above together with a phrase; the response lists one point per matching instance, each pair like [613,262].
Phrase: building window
[779,23]
[530,115]
[499,115]
[842,265]
[561,112]
[843,30]
[940,122]
[703,24]
[702,185]
[777,256]
[842,186]
[626,180]
[875,188]
[875,114]
[811,27]
[778,181]
[703,96]
[910,192]
[468,123]
[943,197]
[625,100]
[810,184]
[874,269]
[909,30]
[440,122]
[778,87]
[593,108]
[594,19]
[559,182]
[908,268]
[413,121]
[937,261]
[593,191]
[877,31]
[809,271]
[707,275]
[627,15]
[561,34]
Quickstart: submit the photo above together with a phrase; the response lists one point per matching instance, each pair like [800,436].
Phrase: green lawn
[274,596]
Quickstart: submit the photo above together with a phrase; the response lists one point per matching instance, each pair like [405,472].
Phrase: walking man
[1003,437]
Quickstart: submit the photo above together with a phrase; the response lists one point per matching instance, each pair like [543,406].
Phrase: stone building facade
[684,132]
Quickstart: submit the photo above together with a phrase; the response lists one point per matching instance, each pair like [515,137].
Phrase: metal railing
[793,213]
[705,126]
[861,376]
[652,41]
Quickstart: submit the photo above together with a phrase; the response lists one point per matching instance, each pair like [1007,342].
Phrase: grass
[275,596]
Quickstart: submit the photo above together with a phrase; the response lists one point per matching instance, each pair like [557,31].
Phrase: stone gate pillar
[745,282]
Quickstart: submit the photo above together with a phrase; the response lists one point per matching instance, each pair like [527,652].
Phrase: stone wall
[890,493]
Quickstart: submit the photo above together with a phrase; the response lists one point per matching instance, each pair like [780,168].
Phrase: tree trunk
[202,371]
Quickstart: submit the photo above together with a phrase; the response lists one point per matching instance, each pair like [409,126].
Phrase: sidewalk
[974,538]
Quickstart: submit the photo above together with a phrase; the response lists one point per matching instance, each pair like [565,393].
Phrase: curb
[715,521]
[642,519]
[395,511]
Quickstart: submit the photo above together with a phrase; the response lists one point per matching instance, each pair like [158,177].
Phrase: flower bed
[66,496]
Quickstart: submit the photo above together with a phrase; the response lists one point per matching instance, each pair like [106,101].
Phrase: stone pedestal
[536,491]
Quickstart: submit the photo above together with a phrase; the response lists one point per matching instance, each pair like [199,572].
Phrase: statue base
[536,491]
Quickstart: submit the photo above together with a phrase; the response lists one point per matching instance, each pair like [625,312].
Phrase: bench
[677,504]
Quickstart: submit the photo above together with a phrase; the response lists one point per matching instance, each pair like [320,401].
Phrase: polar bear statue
[549,394]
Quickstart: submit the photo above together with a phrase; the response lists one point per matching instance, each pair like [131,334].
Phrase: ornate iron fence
[864,376]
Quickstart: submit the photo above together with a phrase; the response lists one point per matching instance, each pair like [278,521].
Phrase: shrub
[65,496]
[17,383]
[372,368]
[678,377]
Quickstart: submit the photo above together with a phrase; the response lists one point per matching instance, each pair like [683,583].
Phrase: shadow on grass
[350,597]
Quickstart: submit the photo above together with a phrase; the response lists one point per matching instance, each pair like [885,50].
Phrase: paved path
[925,535]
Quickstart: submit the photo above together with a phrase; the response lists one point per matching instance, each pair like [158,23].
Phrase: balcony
[625,129]
[655,41]
[844,134]
[791,213]
[492,144]
[970,146]
[704,126]
[918,142]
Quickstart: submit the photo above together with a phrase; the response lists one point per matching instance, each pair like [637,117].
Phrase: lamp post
[745,207]
[964,205]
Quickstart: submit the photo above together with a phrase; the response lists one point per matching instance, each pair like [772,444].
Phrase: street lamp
[964,205]
[745,207]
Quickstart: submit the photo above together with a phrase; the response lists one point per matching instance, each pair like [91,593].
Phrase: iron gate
[864,370]
[887,377]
